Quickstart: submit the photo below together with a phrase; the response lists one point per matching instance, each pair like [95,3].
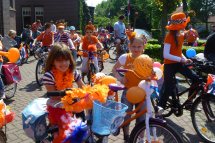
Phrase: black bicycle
[203,108]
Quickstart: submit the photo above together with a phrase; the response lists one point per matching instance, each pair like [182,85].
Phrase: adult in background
[35,27]
[9,40]
[119,33]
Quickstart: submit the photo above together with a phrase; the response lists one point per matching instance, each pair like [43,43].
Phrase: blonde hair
[11,33]
[142,38]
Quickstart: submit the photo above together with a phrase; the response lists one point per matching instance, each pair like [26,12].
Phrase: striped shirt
[61,38]
[48,77]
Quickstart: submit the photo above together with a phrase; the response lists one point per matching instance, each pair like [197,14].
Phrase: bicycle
[112,51]
[91,67]
[40,67]
[205,102]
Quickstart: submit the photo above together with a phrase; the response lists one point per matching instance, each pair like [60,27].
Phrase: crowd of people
[63,42]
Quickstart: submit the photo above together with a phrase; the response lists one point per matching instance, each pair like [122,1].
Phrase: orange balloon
[143,66]
[108,80]
[12,55]
[135,95]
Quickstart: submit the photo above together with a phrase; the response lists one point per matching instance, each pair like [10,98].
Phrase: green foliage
[156,33]
[84,15]
[153,41]
[155,51]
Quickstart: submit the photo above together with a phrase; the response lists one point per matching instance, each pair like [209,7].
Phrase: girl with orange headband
[174,60]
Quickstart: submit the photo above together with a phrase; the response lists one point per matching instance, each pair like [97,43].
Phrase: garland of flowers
[63,80]
[86,95]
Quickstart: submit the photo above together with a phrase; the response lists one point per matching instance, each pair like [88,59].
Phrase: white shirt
[53,28]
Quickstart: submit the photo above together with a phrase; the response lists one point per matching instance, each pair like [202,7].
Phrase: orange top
[128,32]
[86,42]
[1,59]
[191,35]
[176,51]
[46,38]
[132,79]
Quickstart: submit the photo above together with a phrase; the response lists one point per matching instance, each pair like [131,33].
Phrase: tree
[203,9]
[84,15]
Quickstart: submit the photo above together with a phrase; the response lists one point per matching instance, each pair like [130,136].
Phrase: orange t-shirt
[86,42]
[191,35]
[174,50]
[46,38]
[132,79]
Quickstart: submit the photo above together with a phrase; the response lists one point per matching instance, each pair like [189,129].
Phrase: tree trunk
[184,5]
[163,25]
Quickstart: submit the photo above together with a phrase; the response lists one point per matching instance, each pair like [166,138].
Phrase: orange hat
[178,21]
[60,25]
[89,27]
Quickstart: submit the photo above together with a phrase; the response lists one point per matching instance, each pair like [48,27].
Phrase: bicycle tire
[7,90]
[172,134]
[3,138]
[91,72]
[39,80]
[112,53]
[201,131]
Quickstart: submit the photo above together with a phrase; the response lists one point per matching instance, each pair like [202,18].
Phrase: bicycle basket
[107,117]
[34,119]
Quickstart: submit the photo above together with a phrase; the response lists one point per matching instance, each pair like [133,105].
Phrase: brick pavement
[28,90]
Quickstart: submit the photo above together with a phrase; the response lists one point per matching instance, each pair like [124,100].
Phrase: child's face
[89,32]
[61,64]
[137,48]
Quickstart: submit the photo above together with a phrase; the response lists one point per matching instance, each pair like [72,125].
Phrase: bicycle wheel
[112,53]
[204,120]
[91,72]
[40,72]
[163,132]
[10,90]
[3,138]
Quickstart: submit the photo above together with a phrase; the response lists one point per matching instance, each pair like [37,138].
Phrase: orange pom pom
[92,48]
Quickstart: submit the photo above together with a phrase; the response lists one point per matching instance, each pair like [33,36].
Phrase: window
[39,14]
[26,16]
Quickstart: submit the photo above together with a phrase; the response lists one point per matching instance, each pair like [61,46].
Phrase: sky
[93,2]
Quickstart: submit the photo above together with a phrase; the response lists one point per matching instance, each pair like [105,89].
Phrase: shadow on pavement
[186,137]
[8,101]
[33,86]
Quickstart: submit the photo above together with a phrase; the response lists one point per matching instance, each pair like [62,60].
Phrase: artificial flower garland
[86,95]
[63,80]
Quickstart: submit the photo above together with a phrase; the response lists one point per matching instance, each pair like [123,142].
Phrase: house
[28,11]
[7,16]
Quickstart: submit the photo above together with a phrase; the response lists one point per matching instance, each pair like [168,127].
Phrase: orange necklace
[63,80]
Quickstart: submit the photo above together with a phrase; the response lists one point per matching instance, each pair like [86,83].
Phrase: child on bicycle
[174,60]
[125,61]
[87,41]
[60,74]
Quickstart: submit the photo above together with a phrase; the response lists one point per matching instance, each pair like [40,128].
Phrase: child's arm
[80,83]
[50,88]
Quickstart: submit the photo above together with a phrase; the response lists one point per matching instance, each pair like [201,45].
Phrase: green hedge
[155,41]
[155,51]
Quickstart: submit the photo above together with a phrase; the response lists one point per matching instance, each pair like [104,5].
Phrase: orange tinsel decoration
[63,80]
[86,95]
